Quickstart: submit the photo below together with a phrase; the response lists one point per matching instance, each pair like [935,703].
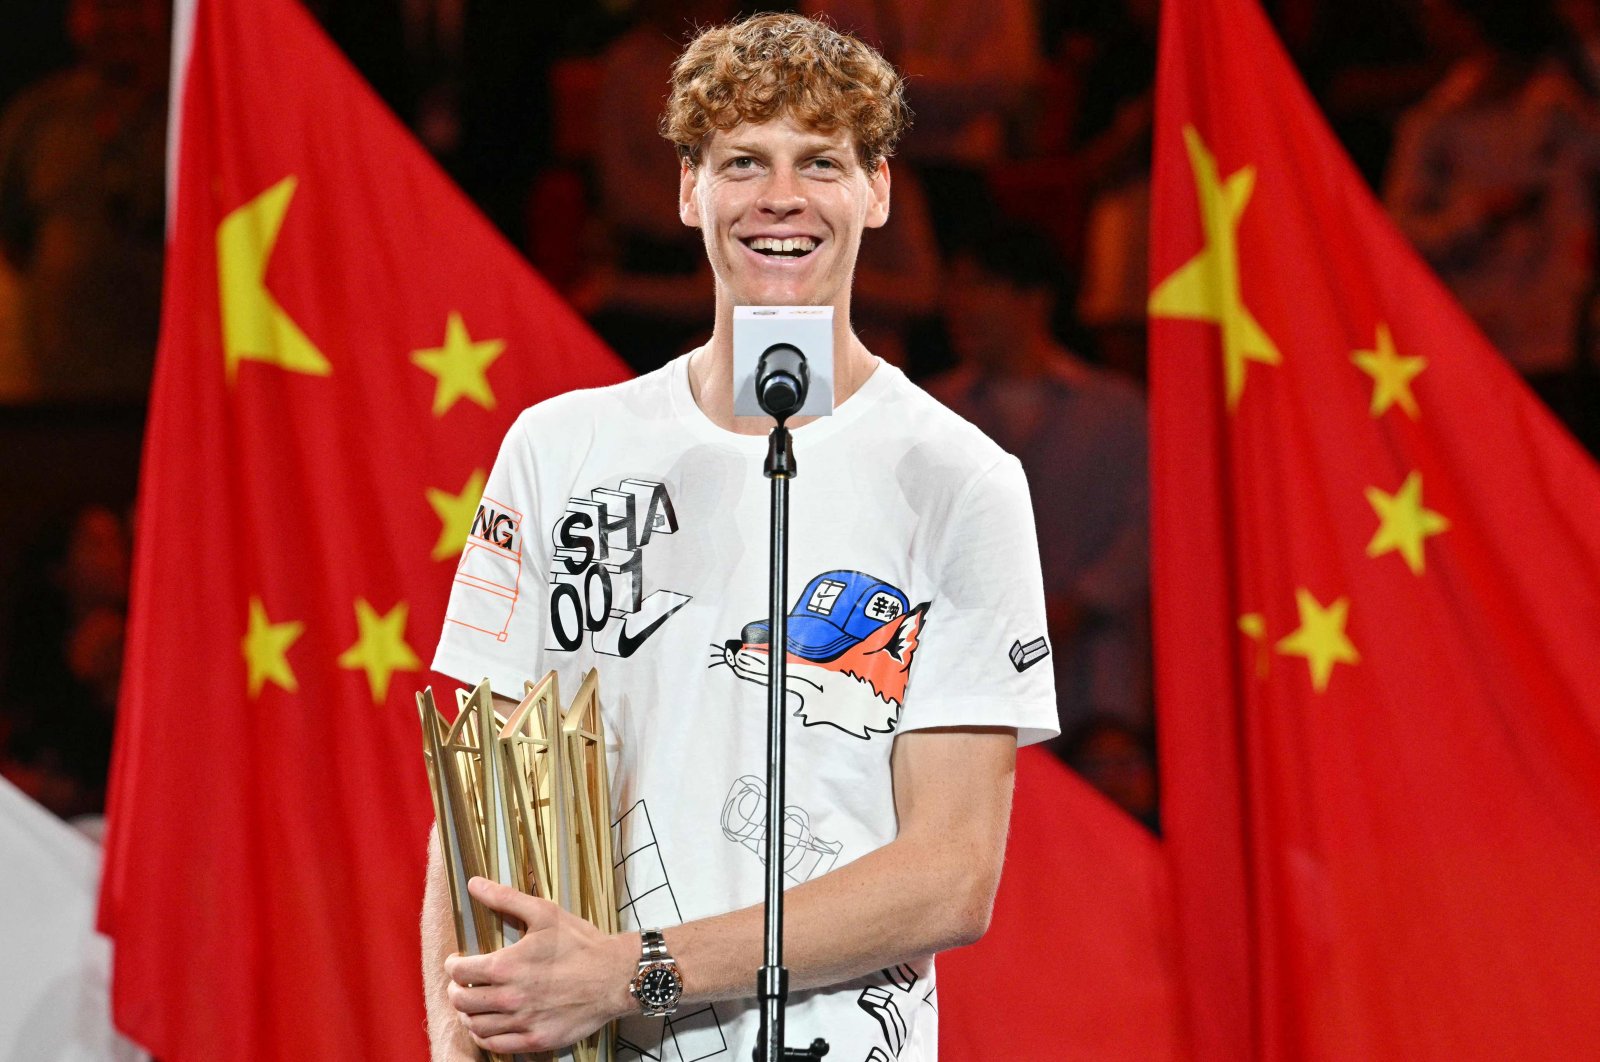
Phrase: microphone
[782,380]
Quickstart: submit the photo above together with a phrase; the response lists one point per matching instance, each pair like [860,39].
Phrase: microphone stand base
[818,1048]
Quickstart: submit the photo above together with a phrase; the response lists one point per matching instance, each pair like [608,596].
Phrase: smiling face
[781,207]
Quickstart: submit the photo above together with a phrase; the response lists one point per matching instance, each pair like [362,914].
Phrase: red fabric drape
[1077,965]
[1377,565]
[345,340]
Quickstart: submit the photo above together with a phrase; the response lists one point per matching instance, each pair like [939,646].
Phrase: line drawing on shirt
[850,641]
[643,884]
[883,1003]
[902,977]
[880,1003]
[744,821]
[641,872]
[668,1048]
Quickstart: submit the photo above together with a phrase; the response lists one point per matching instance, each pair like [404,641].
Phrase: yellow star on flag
[381,649]
[460,366]
[265,647]
[1391,374]
[1320,638]
[455,512]
[254,326]
[1403,523]
[1206,288]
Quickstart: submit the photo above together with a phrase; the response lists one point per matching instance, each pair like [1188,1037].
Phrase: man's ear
[878,196]
[688,205]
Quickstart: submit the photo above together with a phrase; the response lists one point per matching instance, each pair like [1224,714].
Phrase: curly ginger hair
[768,66]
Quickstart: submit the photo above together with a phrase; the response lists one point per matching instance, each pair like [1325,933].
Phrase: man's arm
[928,890]
[448,1037]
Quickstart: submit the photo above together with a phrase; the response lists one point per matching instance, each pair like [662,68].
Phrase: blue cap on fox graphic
[835,611]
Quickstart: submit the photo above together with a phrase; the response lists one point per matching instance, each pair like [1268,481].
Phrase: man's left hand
[559,983]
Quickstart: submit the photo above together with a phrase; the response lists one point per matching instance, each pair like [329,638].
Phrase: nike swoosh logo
[629,642]
[628,639]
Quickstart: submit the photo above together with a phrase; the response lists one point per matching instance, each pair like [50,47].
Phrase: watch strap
[652,946]
[653,956]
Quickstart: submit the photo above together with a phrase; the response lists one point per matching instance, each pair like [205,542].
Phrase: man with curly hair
[626,527]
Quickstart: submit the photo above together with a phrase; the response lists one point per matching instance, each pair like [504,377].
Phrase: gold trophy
[524,801]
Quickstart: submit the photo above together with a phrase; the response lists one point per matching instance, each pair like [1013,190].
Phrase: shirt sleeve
[984,647]
[494,624]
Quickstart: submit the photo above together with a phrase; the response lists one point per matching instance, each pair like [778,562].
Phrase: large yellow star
[455,512]
[1391,374]
[1320,638]
[381,649]
[1403,524]
[460,366]
[265,647]
[1206,288]
[254,326]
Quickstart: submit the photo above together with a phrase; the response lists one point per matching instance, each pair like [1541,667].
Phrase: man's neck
[711,375]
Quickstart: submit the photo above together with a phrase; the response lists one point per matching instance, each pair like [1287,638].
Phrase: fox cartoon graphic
[851,638]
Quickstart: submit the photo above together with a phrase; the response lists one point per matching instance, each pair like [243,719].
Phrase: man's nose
[783,195]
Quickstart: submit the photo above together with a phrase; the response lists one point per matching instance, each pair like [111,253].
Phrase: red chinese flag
[1077,965]
[1377,566]
[344,343]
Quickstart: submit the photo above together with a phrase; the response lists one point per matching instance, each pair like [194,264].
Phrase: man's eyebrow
[817,146]
[820,146]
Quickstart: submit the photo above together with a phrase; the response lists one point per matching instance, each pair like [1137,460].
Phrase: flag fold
[1377,572]
[344,342]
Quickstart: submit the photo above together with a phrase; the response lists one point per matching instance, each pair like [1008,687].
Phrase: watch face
[660,986]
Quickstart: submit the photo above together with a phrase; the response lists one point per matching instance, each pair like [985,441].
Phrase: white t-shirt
[621,529]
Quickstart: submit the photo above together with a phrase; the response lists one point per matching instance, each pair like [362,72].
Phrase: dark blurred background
[1011,280]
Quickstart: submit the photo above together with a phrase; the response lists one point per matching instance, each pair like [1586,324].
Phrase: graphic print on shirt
[597,569]
[489,574]
[646,901]
[744,821]
[1025,656]
[850,641]
[890,1004]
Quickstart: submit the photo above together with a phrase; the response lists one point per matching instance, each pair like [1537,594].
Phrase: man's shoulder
[590,409]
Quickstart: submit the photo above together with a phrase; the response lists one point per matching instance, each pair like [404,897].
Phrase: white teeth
[791,245]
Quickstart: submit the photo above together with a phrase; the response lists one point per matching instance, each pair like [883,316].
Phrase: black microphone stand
[772,983]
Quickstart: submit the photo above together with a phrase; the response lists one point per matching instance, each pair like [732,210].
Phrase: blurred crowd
[1011,280]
